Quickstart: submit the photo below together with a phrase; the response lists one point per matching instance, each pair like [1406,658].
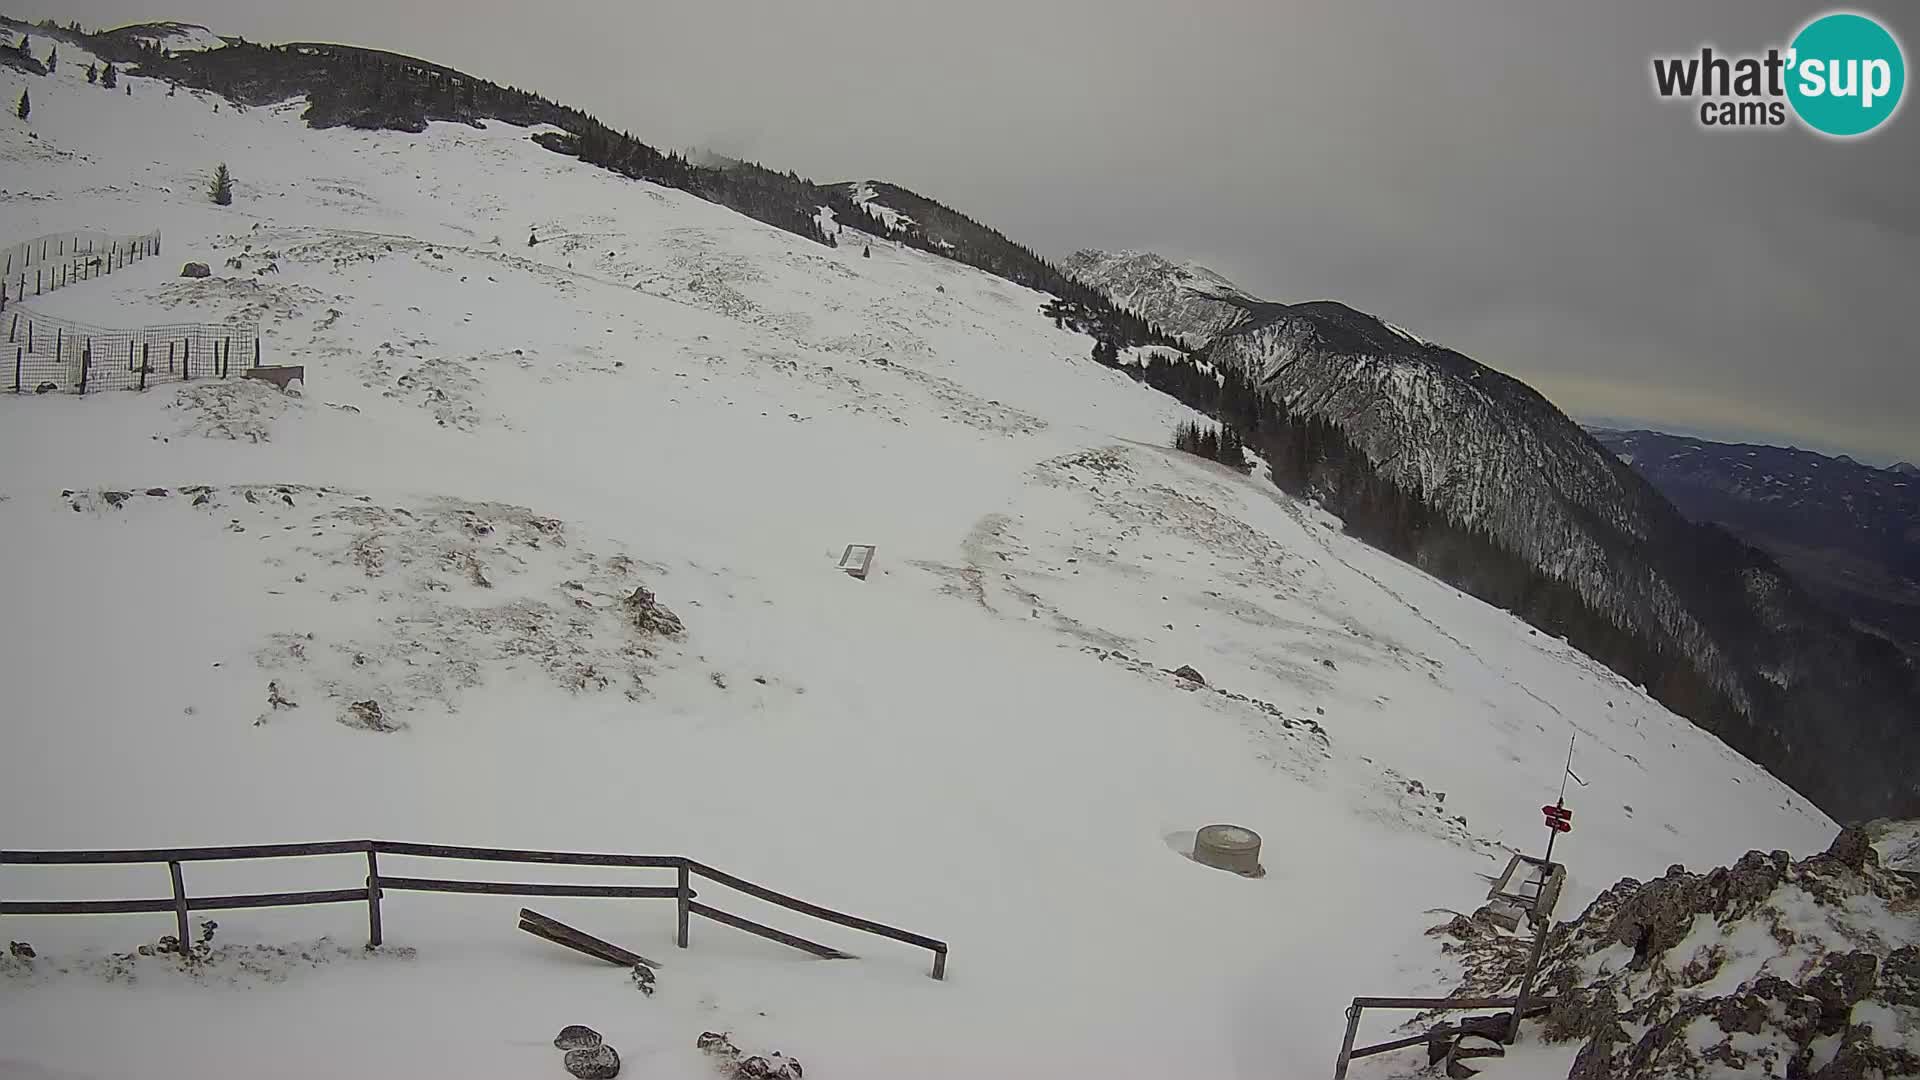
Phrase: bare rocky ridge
[1771,967]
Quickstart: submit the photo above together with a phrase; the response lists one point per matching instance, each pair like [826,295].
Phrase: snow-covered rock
[1770,967]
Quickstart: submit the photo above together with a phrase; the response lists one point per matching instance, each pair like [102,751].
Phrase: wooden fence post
[373,900]
[256,350]
[18,352]
[186,359]
[130,355]
[145,364]
[1346,1045]
[179,906]
[86,361]
[57,334]
[169,357]
[686,896]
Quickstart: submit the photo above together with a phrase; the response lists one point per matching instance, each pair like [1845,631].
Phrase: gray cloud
[1496,176]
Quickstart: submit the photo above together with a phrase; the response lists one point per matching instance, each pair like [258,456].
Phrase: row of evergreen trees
[1215,444]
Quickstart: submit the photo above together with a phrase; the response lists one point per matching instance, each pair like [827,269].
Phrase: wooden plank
[1434,1003]
[570,858]
[373,899]
[561,934]
[156,855]
[518,888]
[815,910]
[823,951]
[83,907]
[279,899]
[1399,1044]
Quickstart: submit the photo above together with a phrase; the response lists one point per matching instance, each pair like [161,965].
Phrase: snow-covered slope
[1725,632]
[496,443]
[1185,299]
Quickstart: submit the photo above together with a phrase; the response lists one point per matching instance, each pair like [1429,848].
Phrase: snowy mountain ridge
[1186,299]
[990,739]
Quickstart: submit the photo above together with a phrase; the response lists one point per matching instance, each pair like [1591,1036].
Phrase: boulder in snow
[600,1062]
[577,1037]
[196,270]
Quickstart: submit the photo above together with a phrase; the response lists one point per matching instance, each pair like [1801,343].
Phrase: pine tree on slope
[221,190]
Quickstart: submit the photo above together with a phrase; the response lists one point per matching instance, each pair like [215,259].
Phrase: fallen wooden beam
[560,933]
[824,952]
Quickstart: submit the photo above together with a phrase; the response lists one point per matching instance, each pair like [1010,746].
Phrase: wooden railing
[369,893]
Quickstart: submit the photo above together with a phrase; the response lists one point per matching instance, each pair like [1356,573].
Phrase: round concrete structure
[1229,847]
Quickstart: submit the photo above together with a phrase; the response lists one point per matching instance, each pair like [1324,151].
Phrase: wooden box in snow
[857,560]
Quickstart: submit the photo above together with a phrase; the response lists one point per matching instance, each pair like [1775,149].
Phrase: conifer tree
[221,190]
[109,78]
[25,107]
[93,73]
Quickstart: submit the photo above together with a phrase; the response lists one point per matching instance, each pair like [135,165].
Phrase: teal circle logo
[1847,74]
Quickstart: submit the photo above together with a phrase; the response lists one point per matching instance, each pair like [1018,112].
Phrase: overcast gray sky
[1495,176]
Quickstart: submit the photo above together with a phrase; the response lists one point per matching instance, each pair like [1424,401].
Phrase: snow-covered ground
[980,742]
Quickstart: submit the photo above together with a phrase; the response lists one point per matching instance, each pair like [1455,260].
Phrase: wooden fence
[43,264]
[376,883]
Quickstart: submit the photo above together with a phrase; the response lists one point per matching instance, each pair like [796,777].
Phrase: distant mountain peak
[1192,302]
[1905,468]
